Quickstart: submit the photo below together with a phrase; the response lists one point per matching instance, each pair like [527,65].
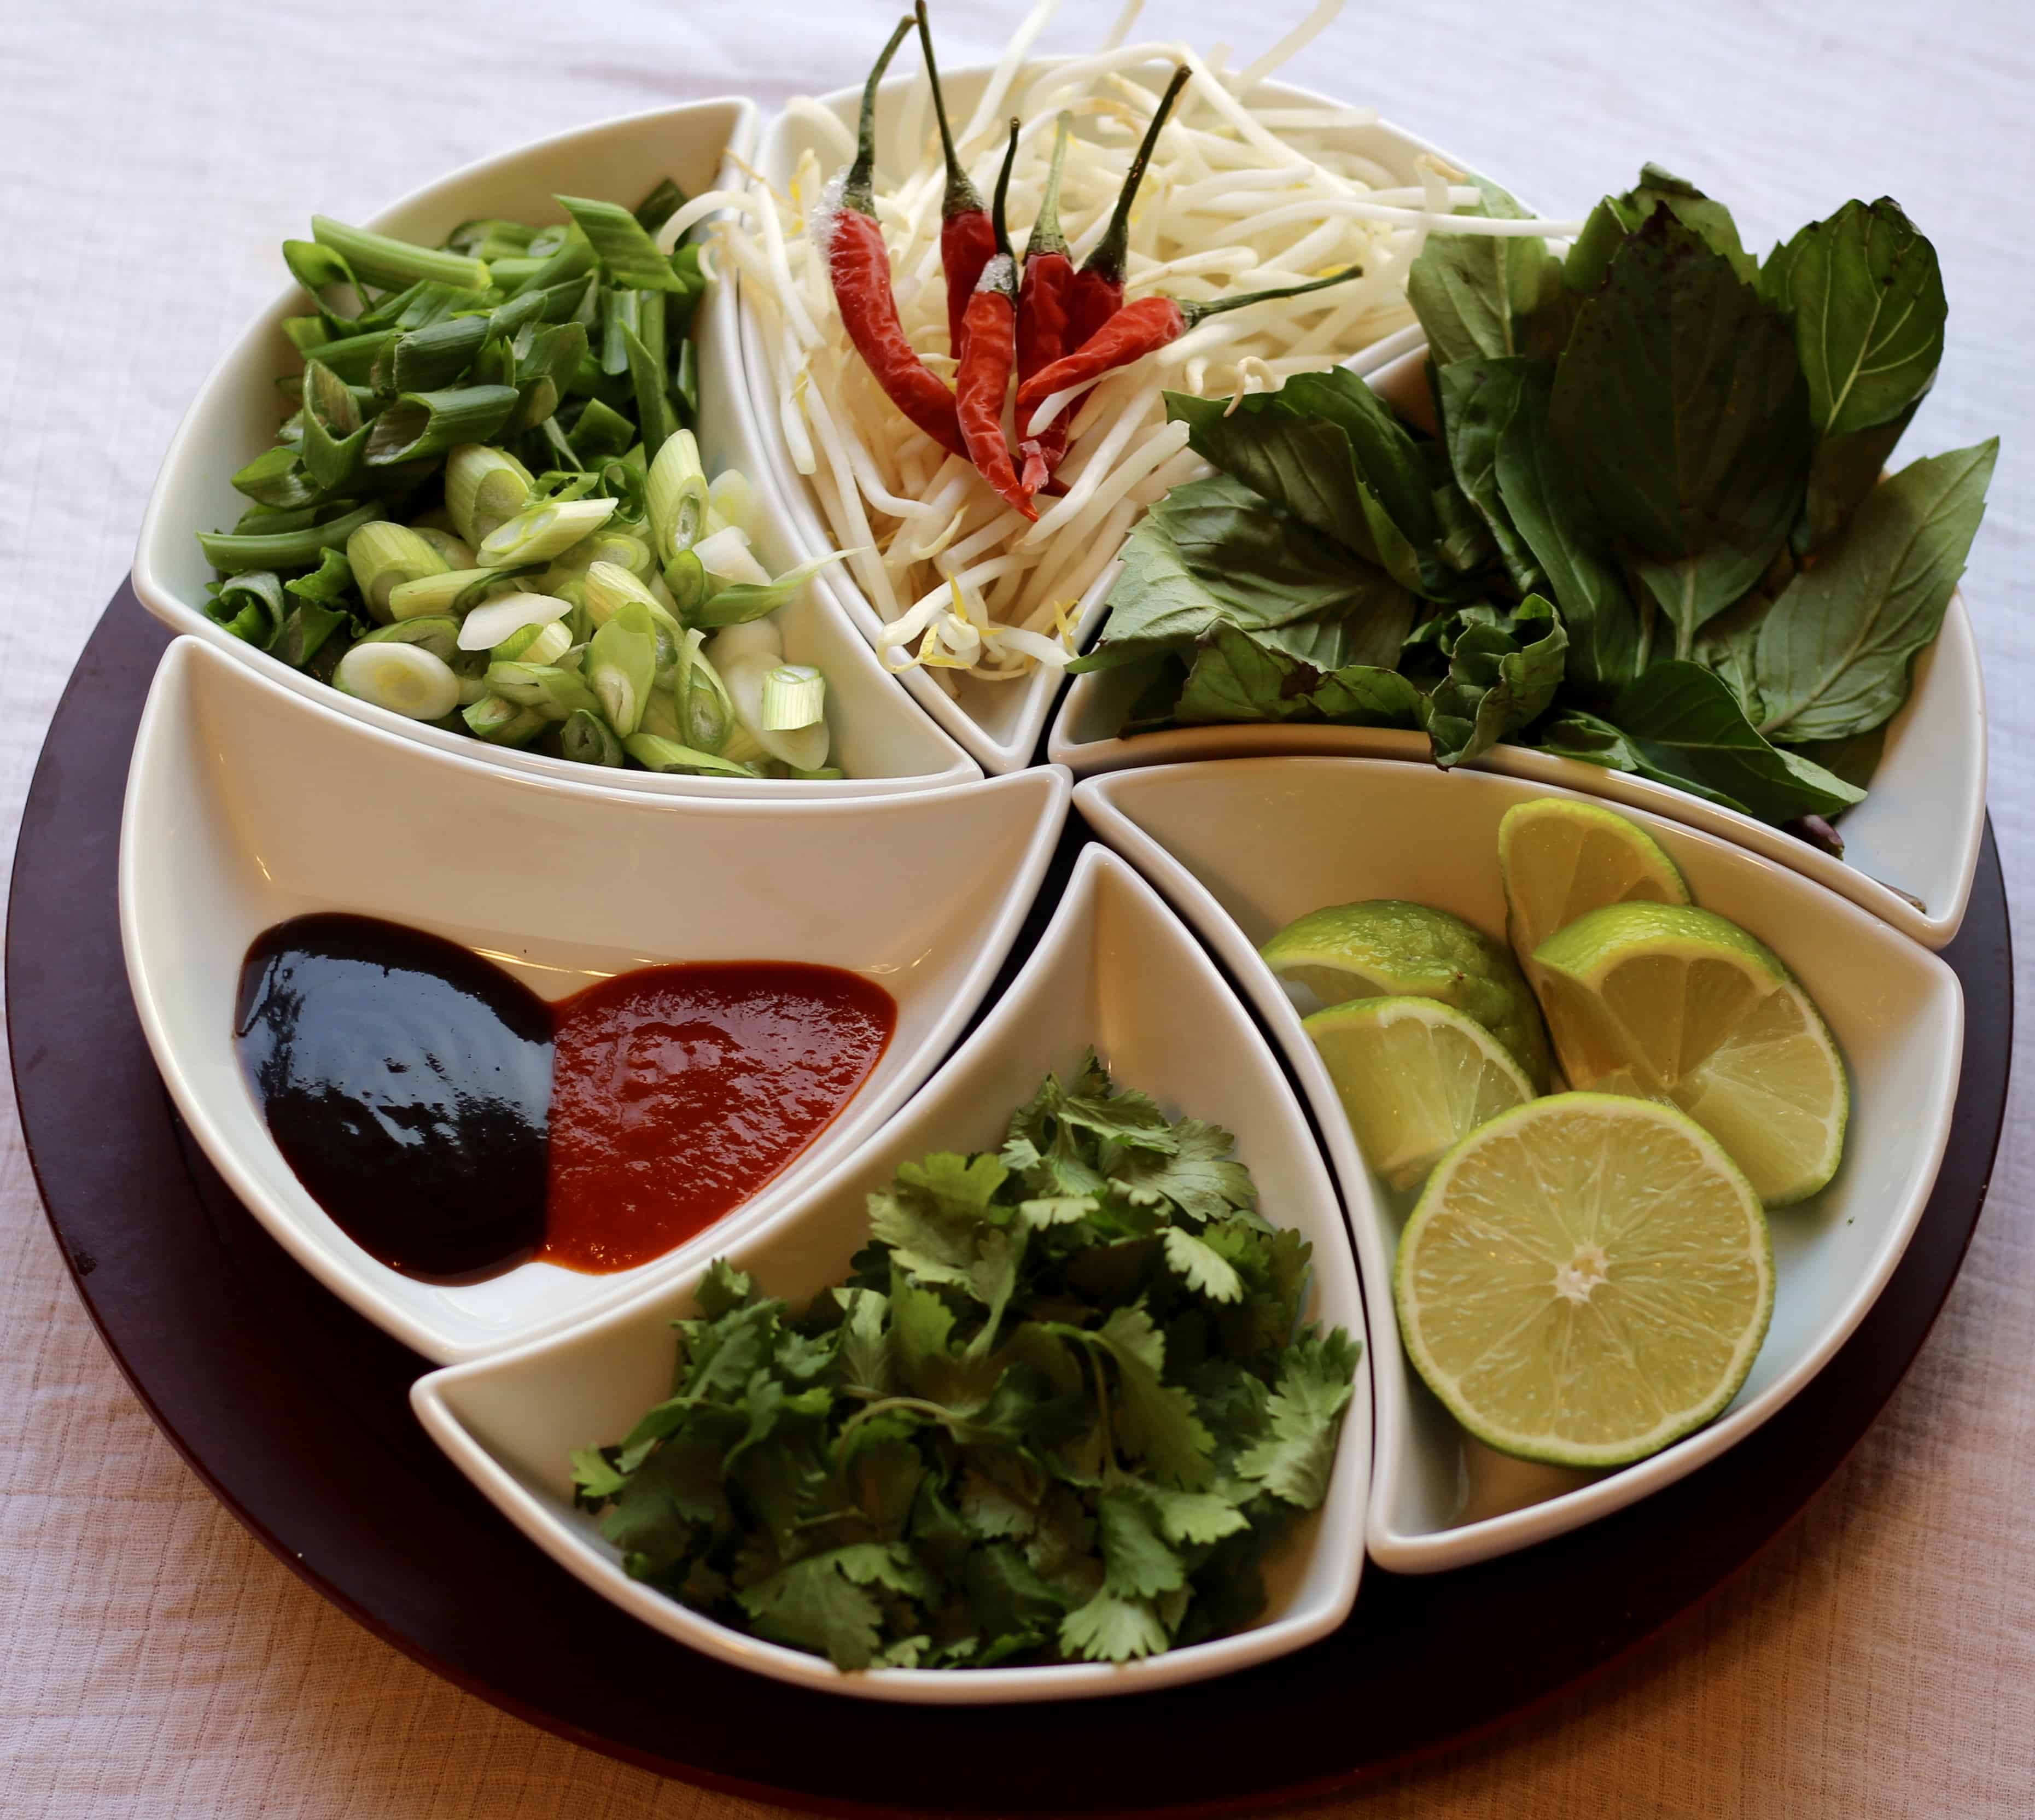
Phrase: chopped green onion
[491,622]
[404,679]
[687,582]
[457,553]
[249,606]
[534,644]
[335,433]
[619,310]
[501,723]
[546,360]
[677,496]
[428,357]
[588,739]
[379,259]
[385,555]
[659,206]
[602,431]
[276,478]
[794,695]
[746,601]
[807,748]
[622,665]
[619,241]
[234,554]
[573,257]
[653,400]
[422,424]
[486,237]
[705,715]
[306,629]
[731,499]
[439,634]
[484,488]
[609,585]
[756,637]
[540,533]
[655,754]
[726,556]
[557,694]
[321,272]
[352,357]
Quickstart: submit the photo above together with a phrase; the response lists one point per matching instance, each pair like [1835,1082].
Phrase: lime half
[1587,1278]
[1677,1004]
[1415,1076]
[1561,860]
[1387,948]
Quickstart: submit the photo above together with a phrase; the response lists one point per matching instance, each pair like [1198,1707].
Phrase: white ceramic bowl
[1242,846]
[248,803]
[1113,970]
[880,739]
[1917,832]
[998,723]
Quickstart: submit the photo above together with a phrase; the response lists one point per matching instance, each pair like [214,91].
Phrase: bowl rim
[1096,870]
[156,532]
[337,1270]
[800,511]
[1405,1552]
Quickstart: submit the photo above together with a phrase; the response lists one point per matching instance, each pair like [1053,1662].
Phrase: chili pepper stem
[1112,252]
[1194,313]
[858,190]
[1045,234]
[999,221]
[961,192]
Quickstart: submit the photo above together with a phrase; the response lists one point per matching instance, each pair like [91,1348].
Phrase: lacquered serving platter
[295,1412]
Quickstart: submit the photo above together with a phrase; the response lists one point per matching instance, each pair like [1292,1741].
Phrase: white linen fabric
[1878,1658]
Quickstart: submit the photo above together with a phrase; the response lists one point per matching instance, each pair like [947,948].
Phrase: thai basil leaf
[1589,740]
[1213,552]
[1854,760]
[1865,296]
[1325,448]
[1616,216]
[1844,469]
[1498,411]
[1503,671]
[1365,695]
[1680,405]
[1474,418]
[1234,678]
[1483,294]
[1690,718]
[1835,653]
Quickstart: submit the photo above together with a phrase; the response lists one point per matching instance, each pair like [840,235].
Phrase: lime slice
[1560,860]
[1677,1004]
[1415,1078]
[1586,1279]
[1388,948]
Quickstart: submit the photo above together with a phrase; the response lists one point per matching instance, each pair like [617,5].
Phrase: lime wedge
[1672,1003]
[1560,860]
[1415,1076]
[1586,1279]
[1389,948]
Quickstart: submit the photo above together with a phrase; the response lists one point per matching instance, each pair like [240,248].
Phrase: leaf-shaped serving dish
[998,723]
[882,742]
[233,822]
[1113,970]
[1242,847]
[1911,848]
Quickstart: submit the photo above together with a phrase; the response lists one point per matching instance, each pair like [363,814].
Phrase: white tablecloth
[1879,1658]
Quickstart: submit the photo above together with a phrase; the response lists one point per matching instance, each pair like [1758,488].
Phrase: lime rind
[1390,947]
[1537,1289]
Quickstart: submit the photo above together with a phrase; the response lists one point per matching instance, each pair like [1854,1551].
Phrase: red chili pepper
[1044,318]
[860,265]
[988,348]
[1140,328]
[968,241]
[1097,292]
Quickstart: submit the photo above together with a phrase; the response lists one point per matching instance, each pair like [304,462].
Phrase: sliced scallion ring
[484,488]
[794,697]
[542,533]
[727,558]
[807,748]
[404,679]
[491,621]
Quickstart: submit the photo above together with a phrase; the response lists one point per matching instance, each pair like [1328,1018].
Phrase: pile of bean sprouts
[1244,192]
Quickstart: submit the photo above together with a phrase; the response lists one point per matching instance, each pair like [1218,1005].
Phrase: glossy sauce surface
[453,1124]
[678,1091]
[407,1082]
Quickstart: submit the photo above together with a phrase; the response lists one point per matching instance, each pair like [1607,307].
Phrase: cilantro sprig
[1061,1410]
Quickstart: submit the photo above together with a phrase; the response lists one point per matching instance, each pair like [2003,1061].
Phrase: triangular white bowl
[1241,847]
[1916,837]
[999,724]
[1114,970]
[881,740]
[248,803]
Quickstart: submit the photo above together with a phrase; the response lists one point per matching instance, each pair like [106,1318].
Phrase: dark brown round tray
[295,1412]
